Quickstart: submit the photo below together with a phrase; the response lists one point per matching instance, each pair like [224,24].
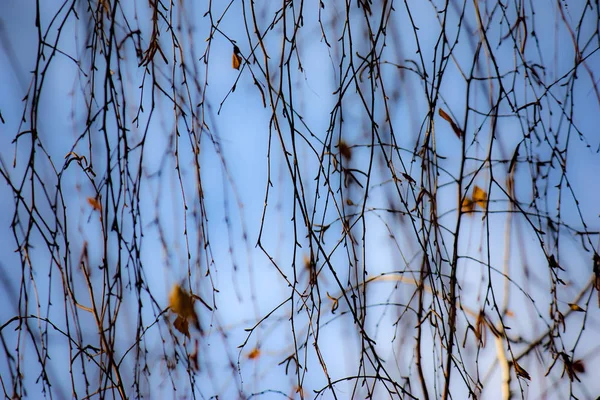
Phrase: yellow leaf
[576,307]
[467,205]
[480,197]
[182,304]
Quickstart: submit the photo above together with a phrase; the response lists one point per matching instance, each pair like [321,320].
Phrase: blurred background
[344,199]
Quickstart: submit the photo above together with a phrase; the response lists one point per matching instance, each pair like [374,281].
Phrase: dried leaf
[236,59]
[521,371]
[576,307]
[480,197]
[467,205]
[182,325]
[408,178]
[335,303]
[194,357]
[96,205]
[254,353]
[578,366]
[569,368]
[182,304]
[345,150]
[553,263]
[455,127]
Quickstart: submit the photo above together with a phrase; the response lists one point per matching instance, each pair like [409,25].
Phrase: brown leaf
[182,325]
[194,357]
[345,150]
[448,118]
[521,371]
[578,366]
[408,178]
[553,263]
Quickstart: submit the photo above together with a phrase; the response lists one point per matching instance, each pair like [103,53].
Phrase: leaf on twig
[521,372]
[182,304]
[448,118]
[467,205]
[480,197]
[96,205]
[553,263]
[182,325]
[236,58]
[576,307]
[335,303]
[345,150]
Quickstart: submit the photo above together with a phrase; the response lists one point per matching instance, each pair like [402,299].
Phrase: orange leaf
[254,353]
[236,59]
[576,307]
[455,127]
[96,205]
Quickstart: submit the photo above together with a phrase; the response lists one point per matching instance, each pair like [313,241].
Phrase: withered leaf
[448,118]
[521,372]
[480,197]
[345,150]
[335,303]
[254,353]
[467,205]
[182,304]
[576,307]
[96,205]
[182,325]
[236,58]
